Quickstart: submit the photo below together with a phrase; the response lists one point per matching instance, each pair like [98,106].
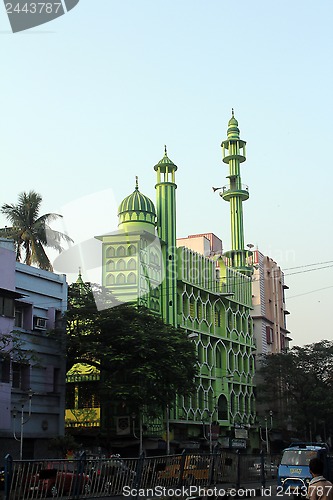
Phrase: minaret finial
[165,150]
[232,112]
[137,183]
[79,278]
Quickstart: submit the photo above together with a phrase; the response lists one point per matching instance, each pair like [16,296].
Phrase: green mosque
[209,296]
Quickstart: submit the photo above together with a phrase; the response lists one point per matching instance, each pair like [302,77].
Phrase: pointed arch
[110,280]
[120,280]
[121,266]
[222,408]
[110,265]
[132,250]
[121,251]
[131,264]
[131,279]
[110,252]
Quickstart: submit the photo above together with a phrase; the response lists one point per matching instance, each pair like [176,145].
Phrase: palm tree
[31,232]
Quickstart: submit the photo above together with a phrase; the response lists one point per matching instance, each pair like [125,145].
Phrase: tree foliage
[13,346]
[142,361]
[31,231]
[302,379]
[63,444]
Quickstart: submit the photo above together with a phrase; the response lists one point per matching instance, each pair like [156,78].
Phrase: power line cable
[309,265]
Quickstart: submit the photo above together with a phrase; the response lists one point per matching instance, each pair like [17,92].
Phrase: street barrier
[87,477]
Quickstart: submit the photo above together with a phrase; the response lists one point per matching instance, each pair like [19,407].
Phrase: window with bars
[269,335]
[21,376]
[18,317]
[5,370]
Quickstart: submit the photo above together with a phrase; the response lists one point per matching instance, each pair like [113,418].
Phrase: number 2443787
[33,8]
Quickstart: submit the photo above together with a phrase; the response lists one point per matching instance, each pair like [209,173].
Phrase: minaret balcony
[241,192]
[239,157]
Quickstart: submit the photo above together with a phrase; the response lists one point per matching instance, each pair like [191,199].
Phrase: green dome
[233,122]
[137,208]
[165,164]
[233,130]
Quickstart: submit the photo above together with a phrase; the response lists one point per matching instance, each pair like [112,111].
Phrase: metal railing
[105,477]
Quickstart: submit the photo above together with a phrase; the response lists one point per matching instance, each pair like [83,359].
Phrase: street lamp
[267,431]
[23,421]
[167,423]
[210,414]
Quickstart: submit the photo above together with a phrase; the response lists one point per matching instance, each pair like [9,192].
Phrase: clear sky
[89,100]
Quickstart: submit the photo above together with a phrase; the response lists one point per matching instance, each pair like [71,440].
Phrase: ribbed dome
[137,202]
[165,163]
[137,208]
[233,130]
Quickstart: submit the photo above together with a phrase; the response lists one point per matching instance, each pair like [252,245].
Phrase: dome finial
[79,278]
[232,112]
[165,150]
[137,183]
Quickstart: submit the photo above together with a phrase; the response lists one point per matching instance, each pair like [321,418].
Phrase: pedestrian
[319,487]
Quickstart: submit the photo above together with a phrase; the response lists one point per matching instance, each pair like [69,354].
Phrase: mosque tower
[166,230]
[233,153]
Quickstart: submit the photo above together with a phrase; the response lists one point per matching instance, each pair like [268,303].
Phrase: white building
[32,367]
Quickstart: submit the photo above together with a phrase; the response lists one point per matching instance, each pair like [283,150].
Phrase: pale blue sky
[89,100]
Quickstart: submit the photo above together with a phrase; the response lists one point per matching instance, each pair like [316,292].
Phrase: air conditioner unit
[40,323]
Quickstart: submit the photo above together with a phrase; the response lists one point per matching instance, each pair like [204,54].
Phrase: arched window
[131,250]
[218,358]
[121,252]
[131,264]
[131,278]
[222,408]
[121,266]
[110,252]
[110,280]
[120,279]
[110,265]
[217,318]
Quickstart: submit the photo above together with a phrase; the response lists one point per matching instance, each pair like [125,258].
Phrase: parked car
[54,483]
[110,475]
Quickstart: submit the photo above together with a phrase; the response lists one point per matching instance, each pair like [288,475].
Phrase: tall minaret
[233,153]
[166,230]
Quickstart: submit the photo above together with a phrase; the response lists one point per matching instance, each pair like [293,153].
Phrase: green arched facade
[208,297]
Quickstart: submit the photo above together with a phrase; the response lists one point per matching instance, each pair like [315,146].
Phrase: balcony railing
[233,187]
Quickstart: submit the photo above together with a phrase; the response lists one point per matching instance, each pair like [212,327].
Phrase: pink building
[206,244]
[269,307]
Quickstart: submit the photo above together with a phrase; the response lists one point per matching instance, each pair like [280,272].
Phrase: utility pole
[23,421]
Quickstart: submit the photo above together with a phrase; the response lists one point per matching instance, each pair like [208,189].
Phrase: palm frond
[30,231]
[38,256]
